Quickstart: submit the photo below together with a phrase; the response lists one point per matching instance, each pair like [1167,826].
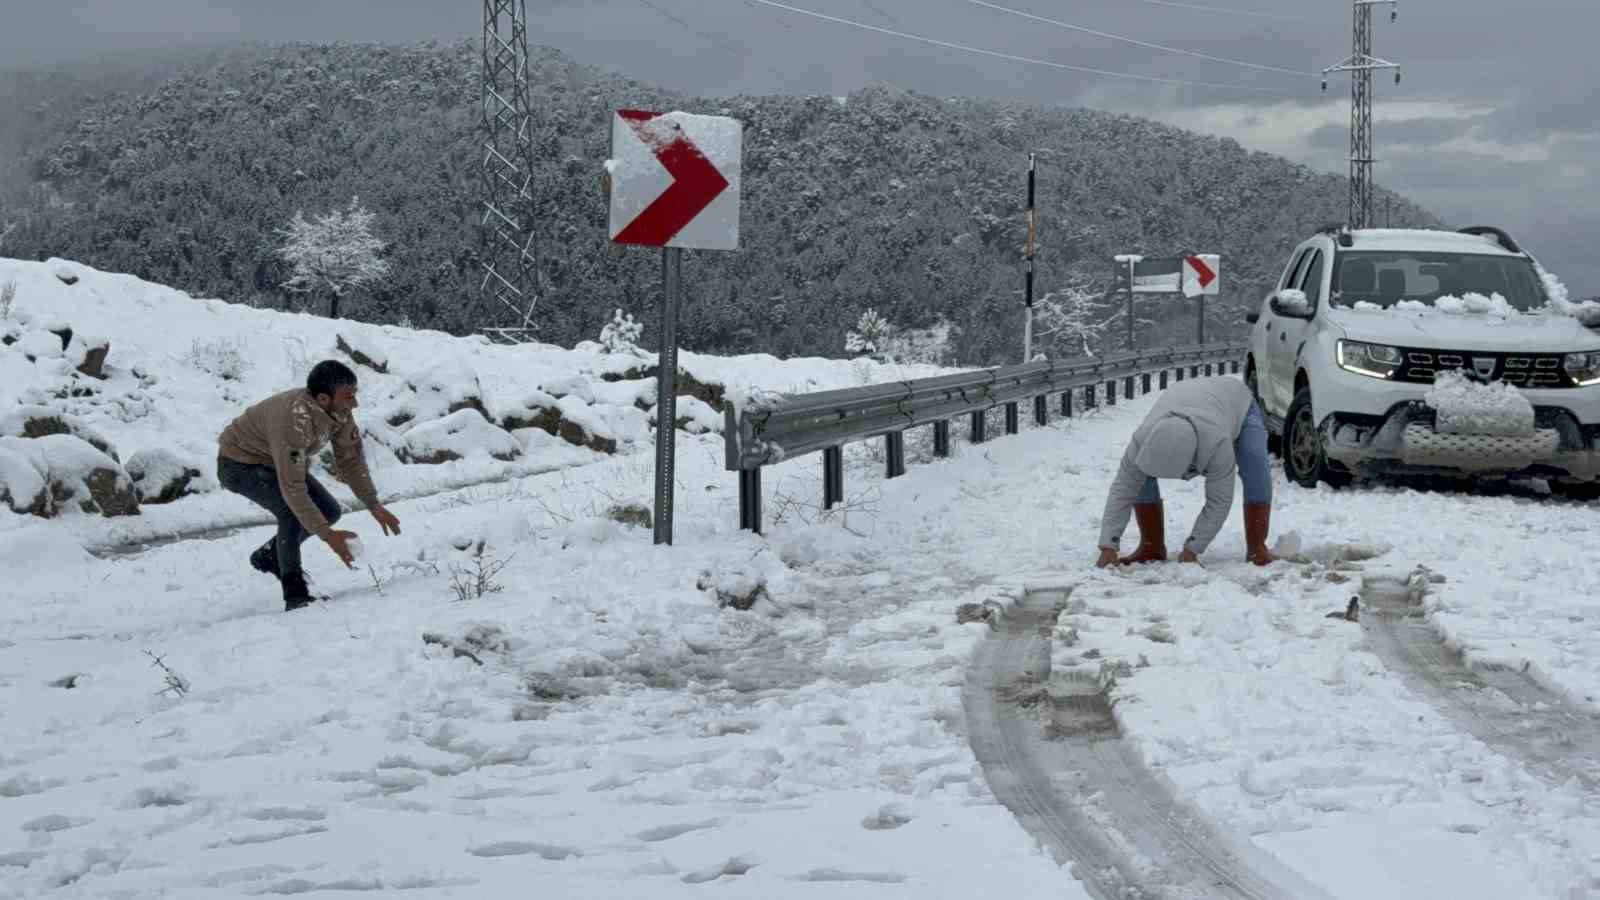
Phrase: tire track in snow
[1054,755]
[1501,706]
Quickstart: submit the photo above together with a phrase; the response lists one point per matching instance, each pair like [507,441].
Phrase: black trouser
[259,484]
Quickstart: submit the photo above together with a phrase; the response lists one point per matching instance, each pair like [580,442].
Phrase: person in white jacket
[1206,426]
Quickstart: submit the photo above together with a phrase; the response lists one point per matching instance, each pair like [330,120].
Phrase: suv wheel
[1304,461]
[1252,381]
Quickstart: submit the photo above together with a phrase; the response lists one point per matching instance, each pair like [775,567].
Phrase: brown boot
[1152,534]
[1257,521]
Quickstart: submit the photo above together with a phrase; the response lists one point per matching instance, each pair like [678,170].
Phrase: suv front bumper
[1404,442]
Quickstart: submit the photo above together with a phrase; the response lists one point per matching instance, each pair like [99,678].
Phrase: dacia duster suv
[1346,347]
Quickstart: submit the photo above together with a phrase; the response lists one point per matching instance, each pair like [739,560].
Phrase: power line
[1251,13]
[1136,42]
[950,45]
[736,50]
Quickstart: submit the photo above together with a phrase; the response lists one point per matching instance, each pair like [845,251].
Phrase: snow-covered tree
[1071,321]
[336,252]
[870,335]
[621,334]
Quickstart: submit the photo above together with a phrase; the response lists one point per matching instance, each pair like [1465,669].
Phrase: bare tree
[5,232]
[1072,320]
[336,252]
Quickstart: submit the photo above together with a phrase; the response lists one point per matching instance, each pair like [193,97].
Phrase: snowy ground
[599,727]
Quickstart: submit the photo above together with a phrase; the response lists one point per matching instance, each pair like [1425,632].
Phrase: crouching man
[264,454]
[1206,426]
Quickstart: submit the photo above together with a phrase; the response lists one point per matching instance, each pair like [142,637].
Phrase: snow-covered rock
[582,425]
[160,476]
[88,353]
[37,345]
[75,471]
[569,386]
[39,421]
[1464,406]
[438,391]
[535,409]
[363,351]
[22,486]
[640,393]
[628,424]
[693,415]
[460,435]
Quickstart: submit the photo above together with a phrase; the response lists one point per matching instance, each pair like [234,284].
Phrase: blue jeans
[1249,452]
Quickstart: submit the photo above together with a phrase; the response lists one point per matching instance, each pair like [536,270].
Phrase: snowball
[1464,406]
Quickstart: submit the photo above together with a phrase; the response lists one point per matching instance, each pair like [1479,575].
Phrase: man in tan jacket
[264,454]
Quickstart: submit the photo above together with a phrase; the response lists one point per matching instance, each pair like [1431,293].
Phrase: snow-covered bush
[870,335]
[8,295]
[924,346]
[1464,406]
[337,253]
[621,334]
[222,358]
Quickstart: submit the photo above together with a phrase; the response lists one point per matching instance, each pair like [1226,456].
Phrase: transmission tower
[1361,64]
[510,270]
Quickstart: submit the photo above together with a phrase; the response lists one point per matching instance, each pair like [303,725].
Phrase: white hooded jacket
[1191,431]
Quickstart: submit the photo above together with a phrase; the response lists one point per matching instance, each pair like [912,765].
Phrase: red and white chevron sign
[1200,274]
[675,180]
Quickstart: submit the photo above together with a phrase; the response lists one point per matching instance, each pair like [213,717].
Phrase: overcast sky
[1495,122]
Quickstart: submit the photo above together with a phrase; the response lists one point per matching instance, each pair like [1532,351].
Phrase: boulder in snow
[439,391]
[39,421]
[66,275]
[37,345]
[363,353]
[693,415]
[569,385]
[460,435]
[687,384]
[581,425]
[89,354]
[537,409]
[22,487]
[737,588]
[76,472]
[160,476]
[641,393]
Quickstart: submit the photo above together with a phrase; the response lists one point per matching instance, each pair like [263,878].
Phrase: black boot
[265,558]
[295,592]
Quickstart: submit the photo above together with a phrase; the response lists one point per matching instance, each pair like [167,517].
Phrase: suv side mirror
[1291,303]
[1252,317]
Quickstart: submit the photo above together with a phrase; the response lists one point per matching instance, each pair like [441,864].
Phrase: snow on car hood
[1538,332]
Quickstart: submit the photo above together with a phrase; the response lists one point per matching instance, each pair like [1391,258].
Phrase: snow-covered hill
[604,720]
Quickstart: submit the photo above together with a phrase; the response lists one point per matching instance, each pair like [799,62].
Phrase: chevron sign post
[673,180]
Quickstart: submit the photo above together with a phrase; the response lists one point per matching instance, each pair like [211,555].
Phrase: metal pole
[1131,264]
[1027,314]
[1202,319]
[667,391]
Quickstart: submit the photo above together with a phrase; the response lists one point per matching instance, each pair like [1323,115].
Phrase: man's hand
[1188,556]
[339,543]
[386,519]
[1108,556]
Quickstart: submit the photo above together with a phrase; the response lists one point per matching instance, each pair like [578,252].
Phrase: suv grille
[1527,370]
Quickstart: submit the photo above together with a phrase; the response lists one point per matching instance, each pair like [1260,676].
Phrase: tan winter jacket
[285,431]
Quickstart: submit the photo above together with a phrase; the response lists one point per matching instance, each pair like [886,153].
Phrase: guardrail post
[1089,399]
[832,476]
[1012,426]
[941,438]
[1236,367]
[1180,373]
[979,423]
[1163,379]
[1111,392]
[1144,383]
[1194,371]
[1127,388]
[1208,370]
[750,499]
[1066,404]
[894,446]
[1041,415]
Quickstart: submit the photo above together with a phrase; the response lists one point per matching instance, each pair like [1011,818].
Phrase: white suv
[1345,349]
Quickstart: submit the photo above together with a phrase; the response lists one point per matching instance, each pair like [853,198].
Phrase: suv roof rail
[1339,230]
[1498,234]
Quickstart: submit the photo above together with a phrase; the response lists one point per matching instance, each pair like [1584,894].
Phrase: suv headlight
[1375,360]
[1583,368]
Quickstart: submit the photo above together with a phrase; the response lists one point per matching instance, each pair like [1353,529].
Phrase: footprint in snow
[668,832]
[888,817]
[56,822]
[523,848]
[831,874]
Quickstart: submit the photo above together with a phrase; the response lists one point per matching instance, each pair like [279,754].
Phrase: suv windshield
[1386,278]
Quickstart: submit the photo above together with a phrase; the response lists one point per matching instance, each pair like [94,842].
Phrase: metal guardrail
[797,424]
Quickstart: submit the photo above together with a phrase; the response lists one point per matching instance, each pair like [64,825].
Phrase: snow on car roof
[1426,240]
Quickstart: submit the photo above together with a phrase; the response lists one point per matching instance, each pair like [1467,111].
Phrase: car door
[1290,332]
[1272,345]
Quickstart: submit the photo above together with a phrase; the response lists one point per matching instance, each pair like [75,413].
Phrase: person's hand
[339,543]
[1108,556]
[386,519]
[1188,556]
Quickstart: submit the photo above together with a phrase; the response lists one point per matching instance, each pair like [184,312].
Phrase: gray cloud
[1493,121]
